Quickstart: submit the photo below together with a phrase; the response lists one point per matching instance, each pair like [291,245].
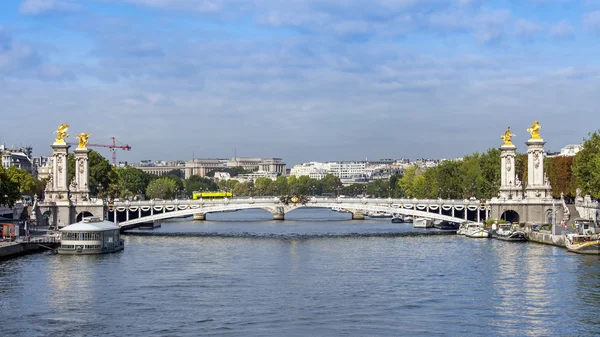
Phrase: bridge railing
[311,200]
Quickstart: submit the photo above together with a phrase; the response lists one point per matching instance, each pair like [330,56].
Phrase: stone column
[80,187]
[57,189]
[537,183]
[510,188]
[358,215]
[200,216]
[279,214]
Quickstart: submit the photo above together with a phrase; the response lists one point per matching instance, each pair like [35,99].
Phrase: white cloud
[525,28]
[561,30]
[591,20]
[37,7]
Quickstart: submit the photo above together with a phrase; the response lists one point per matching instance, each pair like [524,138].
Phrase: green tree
[281,185]
[264,186]
[197,183]
[560,173]
[161,188]
[587,166]
[331,184]
[405,184]
[293,185]
[132,181]
[9,189]
[26,182]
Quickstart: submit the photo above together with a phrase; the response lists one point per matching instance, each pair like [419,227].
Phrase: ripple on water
[332,279]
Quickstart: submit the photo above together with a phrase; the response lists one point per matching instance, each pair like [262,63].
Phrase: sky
[303,80]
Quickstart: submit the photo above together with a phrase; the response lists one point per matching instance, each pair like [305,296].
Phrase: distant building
[221,176]
[313,170]
[159,167]
[18,157]
[570,150]
[271,165]
[255,175]
[200,167]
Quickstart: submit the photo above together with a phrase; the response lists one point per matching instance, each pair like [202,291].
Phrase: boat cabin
[585,226]
[90,236]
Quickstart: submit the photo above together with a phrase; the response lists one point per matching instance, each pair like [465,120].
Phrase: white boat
[462,229]
[585,240]
[422,223]
[508,232]
[379,215]
[476,230]
[408,219]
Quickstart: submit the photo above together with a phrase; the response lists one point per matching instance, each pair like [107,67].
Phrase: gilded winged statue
[61,133]
[507,137]
[83,140]
[534,130]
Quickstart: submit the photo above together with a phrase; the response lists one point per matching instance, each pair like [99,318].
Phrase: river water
[315,274]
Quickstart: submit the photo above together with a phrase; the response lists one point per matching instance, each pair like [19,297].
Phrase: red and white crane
[112,148]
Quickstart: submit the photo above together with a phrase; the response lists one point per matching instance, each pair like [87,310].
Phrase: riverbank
[547,238]
[13,249]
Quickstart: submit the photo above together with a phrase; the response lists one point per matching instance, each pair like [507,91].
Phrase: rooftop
[92,224]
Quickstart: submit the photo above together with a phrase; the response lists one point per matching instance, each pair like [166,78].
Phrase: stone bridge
[132,214]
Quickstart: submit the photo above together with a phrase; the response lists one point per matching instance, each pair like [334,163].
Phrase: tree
[161,188]
[331,184]
[405,184]
[281,185]
[9,189]
[26,182]
[132,181]
[197,183]
[264,186]
[560,173]
[587,166]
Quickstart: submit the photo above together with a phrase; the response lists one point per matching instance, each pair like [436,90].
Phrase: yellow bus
[211,195]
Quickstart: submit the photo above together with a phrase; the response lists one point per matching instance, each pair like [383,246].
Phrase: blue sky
[300,79]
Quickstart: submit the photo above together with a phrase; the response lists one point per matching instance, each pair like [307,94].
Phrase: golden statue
[83,140]
[61,133]
[535,130]
[507,137]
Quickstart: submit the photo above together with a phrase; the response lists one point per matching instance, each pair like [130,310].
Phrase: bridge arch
[359,207]
[82,215]
[510,216]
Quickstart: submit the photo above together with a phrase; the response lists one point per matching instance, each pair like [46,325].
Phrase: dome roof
[91,224]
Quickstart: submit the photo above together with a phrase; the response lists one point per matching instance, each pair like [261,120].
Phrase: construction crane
[112,148]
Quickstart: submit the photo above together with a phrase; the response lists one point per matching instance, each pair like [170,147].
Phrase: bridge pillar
[279,213]
[358,216]
[200,216]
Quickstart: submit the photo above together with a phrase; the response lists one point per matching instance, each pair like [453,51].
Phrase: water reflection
[321,278]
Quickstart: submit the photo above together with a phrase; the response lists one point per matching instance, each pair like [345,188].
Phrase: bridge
[131,214]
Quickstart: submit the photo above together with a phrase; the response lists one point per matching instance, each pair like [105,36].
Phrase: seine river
[315,274]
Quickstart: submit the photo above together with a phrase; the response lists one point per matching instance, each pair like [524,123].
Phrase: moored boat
[508,232]
[422,223]
[408,219]
[476,230]
[397,220]
[379,215]
[585,240]
[446,225]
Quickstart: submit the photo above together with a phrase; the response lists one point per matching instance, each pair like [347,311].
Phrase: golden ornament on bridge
[61,133]
[534,130]
[83,140]
[507,137]
[295,199]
